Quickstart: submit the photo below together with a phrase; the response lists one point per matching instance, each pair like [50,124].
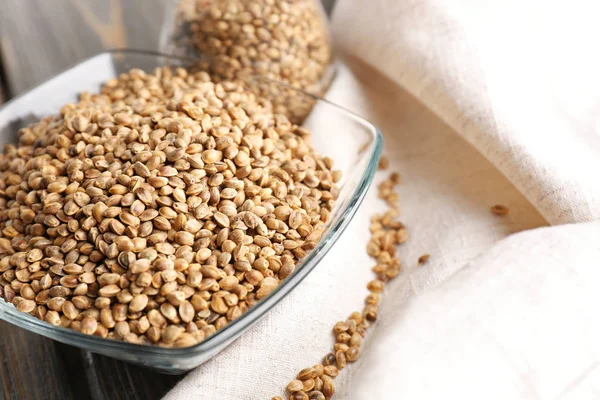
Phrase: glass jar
[286,41]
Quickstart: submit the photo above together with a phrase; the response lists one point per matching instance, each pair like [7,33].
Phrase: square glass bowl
[354,144]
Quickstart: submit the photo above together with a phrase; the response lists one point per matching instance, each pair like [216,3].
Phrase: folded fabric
[480,102]
[517,79]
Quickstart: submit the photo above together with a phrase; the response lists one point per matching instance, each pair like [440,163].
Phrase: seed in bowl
[282,41]
[159,210]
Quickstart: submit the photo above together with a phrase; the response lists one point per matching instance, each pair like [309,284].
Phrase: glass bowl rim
[254,313]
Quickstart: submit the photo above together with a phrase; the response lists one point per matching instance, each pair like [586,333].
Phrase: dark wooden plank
[39,38]
[31,367]
[119,381]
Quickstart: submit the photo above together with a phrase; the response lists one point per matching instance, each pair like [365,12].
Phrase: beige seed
[352,354]
[295,386]
[211,156]
[138,303]
[340,359]
[53,318]
[69,310]
[316,395]
[267,286]
[176,297]
[171,334]
[331,370]
[218,305]
[184,238]
[375,286]
[222,219]
[328,388]
[156,319]
[106,318]
[168,311]
[299,396]
[141,169]
[89,326]
[122,329]
[186,311]
[109,290]
[26,306]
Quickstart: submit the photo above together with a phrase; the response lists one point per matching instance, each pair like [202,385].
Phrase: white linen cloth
[481,102]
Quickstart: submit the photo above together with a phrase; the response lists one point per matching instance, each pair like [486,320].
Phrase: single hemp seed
[500,210]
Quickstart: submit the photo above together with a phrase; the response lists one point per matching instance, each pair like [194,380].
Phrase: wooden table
[39,38]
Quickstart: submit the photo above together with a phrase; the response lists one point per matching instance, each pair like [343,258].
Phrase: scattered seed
[500,209]
[423,259]
[384,163]
[386,234]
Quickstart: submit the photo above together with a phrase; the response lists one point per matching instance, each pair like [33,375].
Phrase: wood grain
[31,367]
[39,38]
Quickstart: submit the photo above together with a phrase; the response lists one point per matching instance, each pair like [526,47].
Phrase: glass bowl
[354,144]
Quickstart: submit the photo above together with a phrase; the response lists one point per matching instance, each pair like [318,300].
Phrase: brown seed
[156,319]
[168,311]
[141,169]
[308,385]
[383,163]
[402,235]
[81,302]
[500,209]
[26,306]
[423,259]
[69,310]
[176,297]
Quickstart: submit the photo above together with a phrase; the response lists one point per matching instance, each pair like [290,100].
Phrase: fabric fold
[519,322]
[502,74]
